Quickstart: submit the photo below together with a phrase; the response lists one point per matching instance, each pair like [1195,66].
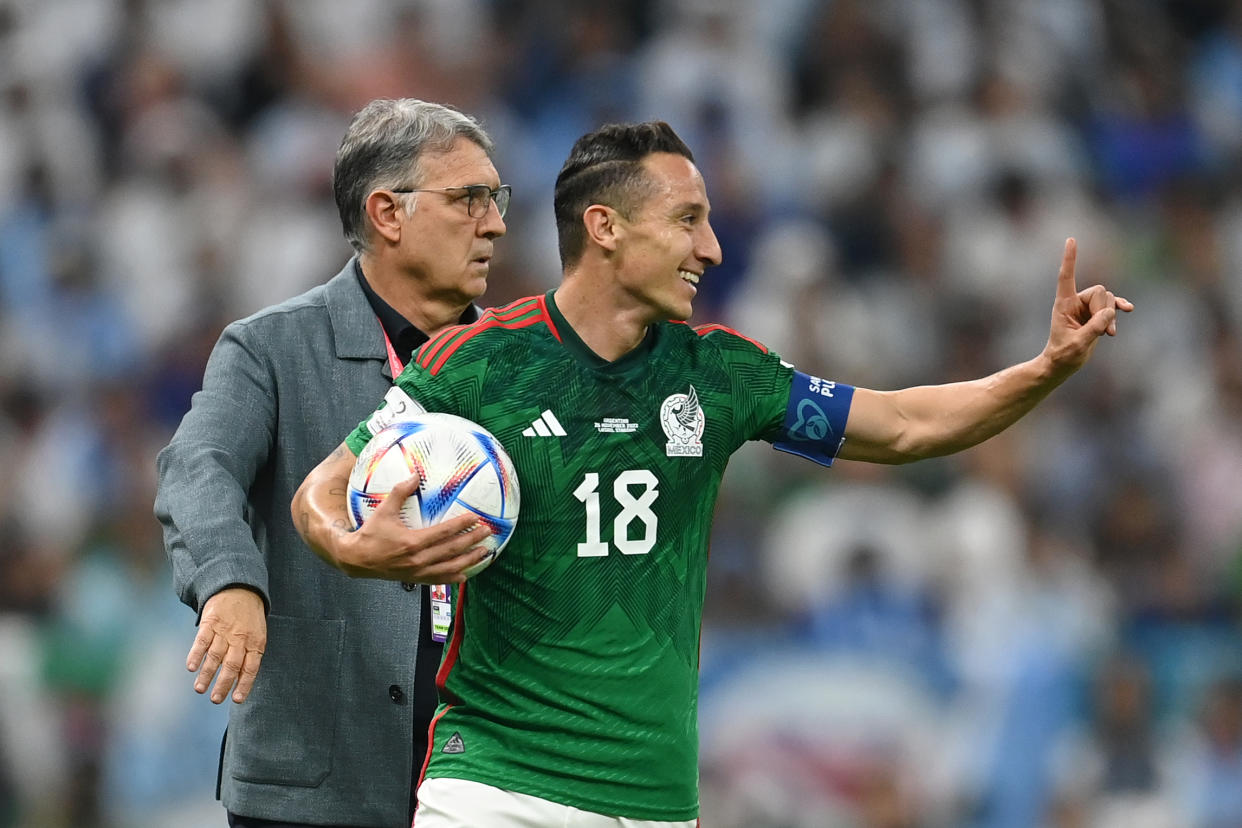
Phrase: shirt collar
[405,338]
[633,362]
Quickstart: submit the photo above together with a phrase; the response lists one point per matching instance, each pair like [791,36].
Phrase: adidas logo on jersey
[454,744]
[545,425]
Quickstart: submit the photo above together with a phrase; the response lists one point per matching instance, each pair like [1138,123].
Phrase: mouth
[689,276]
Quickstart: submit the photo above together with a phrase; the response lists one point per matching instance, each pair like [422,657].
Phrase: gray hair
[383,146]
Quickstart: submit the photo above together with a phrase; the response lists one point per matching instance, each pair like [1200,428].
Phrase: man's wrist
[1049,372]
[247,587]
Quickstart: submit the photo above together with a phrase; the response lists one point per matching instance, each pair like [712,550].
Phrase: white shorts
[460,803]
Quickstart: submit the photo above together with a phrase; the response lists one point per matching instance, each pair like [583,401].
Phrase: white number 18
[632,508]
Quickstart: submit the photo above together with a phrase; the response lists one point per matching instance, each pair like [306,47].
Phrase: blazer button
[408,587]
[396,694]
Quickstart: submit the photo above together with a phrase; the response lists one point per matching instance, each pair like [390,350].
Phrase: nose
[707,246]
[492,225]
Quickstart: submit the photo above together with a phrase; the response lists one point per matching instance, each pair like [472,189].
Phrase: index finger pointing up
[1066,287]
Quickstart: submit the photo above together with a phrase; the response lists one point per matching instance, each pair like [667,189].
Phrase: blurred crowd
[1042,631]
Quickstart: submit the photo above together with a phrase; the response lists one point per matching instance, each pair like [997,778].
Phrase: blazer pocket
[284,732]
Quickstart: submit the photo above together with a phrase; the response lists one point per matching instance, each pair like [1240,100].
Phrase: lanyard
[393,362]
[441,594]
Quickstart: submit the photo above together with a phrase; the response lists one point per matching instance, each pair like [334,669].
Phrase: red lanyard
[395,364]
[441,596]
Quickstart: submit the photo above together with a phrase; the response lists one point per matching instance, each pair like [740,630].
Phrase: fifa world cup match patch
[616,425]
[815,418]
[397,404]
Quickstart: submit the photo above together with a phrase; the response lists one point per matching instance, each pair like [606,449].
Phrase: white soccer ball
[461,466]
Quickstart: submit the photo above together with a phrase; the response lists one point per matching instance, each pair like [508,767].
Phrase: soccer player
[569,686]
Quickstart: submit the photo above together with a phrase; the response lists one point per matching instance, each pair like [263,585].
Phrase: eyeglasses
[476,197]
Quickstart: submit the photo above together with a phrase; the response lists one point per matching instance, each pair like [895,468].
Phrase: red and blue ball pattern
[461,466]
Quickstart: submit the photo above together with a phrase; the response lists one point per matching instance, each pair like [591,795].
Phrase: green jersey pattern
[572,670]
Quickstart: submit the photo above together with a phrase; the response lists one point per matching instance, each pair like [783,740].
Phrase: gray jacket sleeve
[206,472]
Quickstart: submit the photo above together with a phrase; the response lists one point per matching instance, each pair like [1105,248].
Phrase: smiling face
[446,250]
[668,242]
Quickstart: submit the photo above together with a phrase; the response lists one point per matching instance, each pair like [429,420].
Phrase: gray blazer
[323,737]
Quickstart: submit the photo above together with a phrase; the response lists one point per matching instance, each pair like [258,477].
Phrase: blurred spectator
[1215,93]
[1210,765]
[1116,772]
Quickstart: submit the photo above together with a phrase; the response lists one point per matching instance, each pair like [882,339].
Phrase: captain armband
[397,405]
[815,418]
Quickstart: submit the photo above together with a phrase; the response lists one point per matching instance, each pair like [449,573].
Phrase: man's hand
[1079,317]
[934,420]
[384,547]
[231,637]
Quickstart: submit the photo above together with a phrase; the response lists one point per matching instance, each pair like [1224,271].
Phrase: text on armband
[822,387]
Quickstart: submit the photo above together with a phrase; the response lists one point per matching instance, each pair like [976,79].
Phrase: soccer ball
[461,466]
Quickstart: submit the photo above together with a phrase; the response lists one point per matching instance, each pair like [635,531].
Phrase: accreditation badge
[441,611]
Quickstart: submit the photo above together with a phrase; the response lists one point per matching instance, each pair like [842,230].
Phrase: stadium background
[1043,631]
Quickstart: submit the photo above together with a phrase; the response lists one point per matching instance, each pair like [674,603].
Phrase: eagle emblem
[683,420]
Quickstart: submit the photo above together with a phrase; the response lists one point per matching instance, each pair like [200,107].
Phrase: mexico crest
[682,419]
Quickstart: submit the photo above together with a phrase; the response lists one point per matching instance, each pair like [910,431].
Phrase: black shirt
[406,339]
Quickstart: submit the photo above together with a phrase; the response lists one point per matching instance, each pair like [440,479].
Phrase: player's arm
[383,547]
[928,421]
[933,420]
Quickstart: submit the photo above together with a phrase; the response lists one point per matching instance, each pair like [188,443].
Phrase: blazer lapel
[356,331]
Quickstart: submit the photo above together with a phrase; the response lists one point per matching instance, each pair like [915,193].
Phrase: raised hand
[1079,317]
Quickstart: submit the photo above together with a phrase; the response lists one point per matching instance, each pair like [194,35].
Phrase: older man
[333,678]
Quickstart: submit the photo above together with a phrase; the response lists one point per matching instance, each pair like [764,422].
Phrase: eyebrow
[696,207]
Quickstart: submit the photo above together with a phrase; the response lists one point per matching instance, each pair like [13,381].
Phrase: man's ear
[385,213]
[603,226]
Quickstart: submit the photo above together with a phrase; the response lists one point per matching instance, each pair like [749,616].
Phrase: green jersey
[571,672]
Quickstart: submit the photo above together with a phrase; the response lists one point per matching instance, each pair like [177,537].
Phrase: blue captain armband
[815,418]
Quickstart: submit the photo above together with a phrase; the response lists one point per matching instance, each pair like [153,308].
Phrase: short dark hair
[383,146]
[605,167]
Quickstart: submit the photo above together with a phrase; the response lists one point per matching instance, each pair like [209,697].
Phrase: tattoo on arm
[337,491]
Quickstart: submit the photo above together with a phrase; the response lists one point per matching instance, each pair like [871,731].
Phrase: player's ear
[602,226]
[386,213]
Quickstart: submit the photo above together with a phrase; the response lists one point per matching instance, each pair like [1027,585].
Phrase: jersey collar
[629,363]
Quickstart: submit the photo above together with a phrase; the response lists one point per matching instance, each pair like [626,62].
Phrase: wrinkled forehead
[464,163]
